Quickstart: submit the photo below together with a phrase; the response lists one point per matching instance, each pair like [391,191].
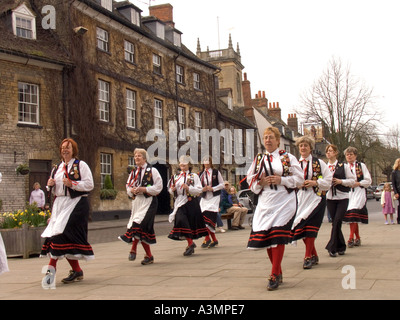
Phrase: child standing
[387,201]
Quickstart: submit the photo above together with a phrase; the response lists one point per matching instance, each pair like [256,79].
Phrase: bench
[228,217]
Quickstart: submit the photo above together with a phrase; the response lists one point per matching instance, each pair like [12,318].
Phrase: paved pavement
[228,272]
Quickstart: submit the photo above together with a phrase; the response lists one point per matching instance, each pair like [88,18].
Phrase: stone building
[33,71]
[97,71]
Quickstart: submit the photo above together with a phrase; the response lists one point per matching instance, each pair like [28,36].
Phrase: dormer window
[160,30]
[107,4]
[156,27]
[24,22]
[177,39]
[130,12]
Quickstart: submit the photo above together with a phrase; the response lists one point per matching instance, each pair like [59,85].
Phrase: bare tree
[342,104]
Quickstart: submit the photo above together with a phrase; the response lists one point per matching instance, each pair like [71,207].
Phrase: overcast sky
[285,45]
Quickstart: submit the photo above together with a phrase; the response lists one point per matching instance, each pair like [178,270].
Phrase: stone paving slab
[228,272]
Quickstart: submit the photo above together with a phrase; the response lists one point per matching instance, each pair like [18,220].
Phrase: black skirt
[72,243]
[270,238]
[145,230]
[357,215]
[309,227]
[210,219]
[189,222]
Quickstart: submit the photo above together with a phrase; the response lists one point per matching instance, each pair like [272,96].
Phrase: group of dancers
[291,197]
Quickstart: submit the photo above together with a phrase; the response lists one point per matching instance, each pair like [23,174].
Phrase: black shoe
[273,282]
[314,260]
[147,260]
[132,256]
[189,250]
[205,244]
[213,244]
[234,228]
[241,227]
[332,254]
[73,276]
[357,242]
[341,253]
[307,264]
[350,243]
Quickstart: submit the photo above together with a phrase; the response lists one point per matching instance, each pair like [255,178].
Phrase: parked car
[371,192]
[378,191]
[246,198]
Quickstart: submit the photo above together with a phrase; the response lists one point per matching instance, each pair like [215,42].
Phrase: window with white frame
[232,128]
[131,108]
[24,22]
[179,74]
[198,123]
[104,101]
[28,103]
[239,143]
[156,63]
[105,167]
[24,28]
[102,39]
[158,116]
[129,49]
[135,17]
[182,122]
[196,81]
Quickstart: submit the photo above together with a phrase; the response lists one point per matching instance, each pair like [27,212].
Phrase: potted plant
[21,230]
[22,169]
[108,192]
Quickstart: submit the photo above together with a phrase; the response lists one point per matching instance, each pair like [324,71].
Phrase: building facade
[99,72]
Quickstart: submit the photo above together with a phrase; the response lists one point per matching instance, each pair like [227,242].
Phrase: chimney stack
[293,122]
[248,107]
[274,110]
[163,12]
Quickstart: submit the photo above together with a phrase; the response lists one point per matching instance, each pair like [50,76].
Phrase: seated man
[231,205]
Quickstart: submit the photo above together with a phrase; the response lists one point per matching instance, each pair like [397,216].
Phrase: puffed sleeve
[325,183]
[366,182]
[196,189]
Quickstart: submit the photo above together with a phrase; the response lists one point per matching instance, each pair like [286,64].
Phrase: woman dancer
[273,177]
[66,233]
[337,199]
[357,211]
[143,186]
[312,200]
[212,182]
[187,217]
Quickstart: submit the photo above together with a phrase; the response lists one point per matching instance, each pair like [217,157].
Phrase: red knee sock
[53,263]
[206,238]
[134,245]
[190,241]
[354,231]
[74,265]
[213,237]
[146,248]
[277,256]
[310,248]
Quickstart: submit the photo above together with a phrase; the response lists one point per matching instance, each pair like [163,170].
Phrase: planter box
[23,241]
